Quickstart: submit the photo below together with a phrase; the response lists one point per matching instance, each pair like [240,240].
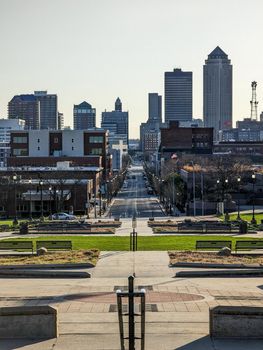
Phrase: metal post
[30,199]
[238,202]
[119,304]
[202,192]
[194,190]
[15,218]
[253,221]
[41,199]
[50,209]
[131,313]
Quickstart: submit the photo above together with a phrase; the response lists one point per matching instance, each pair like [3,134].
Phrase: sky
[97,50]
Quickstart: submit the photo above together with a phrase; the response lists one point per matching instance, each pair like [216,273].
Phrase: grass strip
[145,243]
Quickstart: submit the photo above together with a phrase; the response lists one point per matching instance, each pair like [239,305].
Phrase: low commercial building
[176,140]
[24,190]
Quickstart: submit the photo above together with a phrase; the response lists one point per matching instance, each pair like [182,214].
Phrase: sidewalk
[177,316]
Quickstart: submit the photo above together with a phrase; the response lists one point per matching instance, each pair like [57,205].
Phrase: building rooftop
[217,53]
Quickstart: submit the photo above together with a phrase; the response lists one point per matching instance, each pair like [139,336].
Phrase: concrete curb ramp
[221,273]
[47,266]
[217,266]
[42,274]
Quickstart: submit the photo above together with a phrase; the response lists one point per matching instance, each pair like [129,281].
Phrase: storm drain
[125,288]
[137,309]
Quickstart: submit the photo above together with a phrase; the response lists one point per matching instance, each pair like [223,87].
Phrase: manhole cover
[137,309]
[151,297]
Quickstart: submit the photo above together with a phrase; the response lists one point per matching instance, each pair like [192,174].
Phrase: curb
[216,266]
[224,273]
[42,274]
[46,266]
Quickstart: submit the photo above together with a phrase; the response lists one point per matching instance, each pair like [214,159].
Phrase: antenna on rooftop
[254,102]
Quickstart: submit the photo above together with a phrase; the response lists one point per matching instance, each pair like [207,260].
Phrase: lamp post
[56,192]
[30,199]
[194,187]
[41,199]
[253,220]
[238,200]
[15,221]
[226,210]
[50,197]
[218,199]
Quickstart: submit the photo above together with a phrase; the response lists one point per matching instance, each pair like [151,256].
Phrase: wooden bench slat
[16,245]
[213,244]
[248,245]
[54,244]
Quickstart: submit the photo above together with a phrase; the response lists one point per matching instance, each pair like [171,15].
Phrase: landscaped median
[147,243]
[63,264]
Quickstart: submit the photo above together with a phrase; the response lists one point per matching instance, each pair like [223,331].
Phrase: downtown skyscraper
[178,95]
[217,91]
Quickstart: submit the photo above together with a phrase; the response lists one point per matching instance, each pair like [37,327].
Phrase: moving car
[63,216]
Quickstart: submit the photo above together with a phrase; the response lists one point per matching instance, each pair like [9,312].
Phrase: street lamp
[218,199]
[50,194]
[57,198]
[30,199]
[15,221]
[226,211]
[238,201]
[253,221]
[41,199]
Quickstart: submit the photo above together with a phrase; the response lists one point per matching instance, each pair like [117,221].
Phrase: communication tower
[254,102]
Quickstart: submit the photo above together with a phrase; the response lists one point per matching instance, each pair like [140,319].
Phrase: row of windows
[79,111]
[20,152]
[96,139]
[19,139]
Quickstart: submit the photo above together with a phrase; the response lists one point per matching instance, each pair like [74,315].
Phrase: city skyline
[130,57]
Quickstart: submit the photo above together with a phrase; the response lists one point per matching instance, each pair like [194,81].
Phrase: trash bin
[23,230]
[243,227]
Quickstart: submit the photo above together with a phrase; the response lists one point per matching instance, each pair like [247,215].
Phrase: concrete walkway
[177,316]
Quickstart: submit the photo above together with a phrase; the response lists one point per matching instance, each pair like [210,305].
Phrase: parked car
[63,216]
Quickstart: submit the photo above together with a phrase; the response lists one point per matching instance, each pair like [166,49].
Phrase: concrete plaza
[177,316]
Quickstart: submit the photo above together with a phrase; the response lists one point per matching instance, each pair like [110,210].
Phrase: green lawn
[144,242]
[248,217]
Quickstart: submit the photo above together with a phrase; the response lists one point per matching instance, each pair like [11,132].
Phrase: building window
[19,139]
[96,151]
[55,139]
[72,148]
[72,140]
[96,139]
[38,148]
[38,140]
[19,152]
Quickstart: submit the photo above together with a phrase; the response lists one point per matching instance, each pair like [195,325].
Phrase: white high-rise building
[7,125]
[217,91]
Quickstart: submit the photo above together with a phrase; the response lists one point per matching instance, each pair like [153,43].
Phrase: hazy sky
[97,50]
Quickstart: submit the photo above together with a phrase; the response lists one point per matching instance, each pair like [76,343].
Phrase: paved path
[178,316]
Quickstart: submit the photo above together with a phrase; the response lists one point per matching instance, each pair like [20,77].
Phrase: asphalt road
[133,198]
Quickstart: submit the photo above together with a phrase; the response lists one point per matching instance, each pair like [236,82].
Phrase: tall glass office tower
[217,91]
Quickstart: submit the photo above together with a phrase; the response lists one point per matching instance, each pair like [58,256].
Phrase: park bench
[217,227]
[16,245]
[213,244]
[52,227]
[249,245]
[196,227]
[54,245]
